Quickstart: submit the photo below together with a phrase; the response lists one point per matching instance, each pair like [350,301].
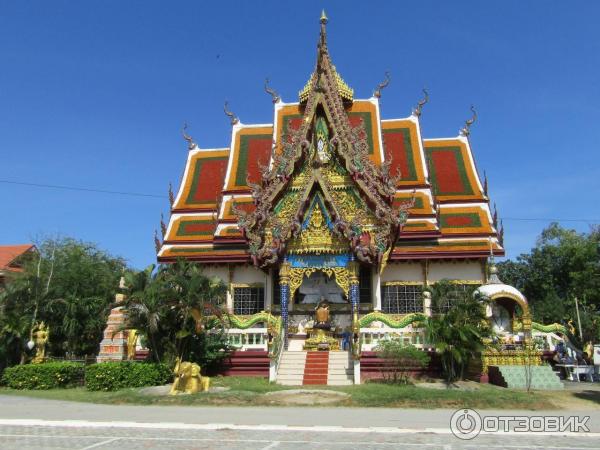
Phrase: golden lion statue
[188,379]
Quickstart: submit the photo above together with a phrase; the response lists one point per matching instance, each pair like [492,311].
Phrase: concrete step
[339,376]
[340,382]
[289,379]
[290,372]
[290,382]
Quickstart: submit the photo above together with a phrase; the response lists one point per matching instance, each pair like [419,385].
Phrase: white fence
[370,337]
[248,339]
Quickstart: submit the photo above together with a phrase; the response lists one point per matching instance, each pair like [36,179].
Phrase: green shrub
[111,376]
[399,360]
[44,376]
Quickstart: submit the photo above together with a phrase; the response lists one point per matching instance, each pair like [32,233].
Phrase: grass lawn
[248,391]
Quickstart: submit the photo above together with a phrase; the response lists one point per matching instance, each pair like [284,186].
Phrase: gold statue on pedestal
[188,379]
[40,334]
[322,320]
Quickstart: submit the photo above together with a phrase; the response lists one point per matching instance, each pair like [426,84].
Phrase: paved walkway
[27,423]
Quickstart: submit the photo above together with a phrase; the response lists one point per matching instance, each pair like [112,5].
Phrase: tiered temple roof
[450,217]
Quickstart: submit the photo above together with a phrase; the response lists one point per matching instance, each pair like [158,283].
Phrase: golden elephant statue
[188,379]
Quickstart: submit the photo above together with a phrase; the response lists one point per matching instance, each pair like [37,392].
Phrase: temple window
[364,284]
[248,300]
[460,289]
[401,298]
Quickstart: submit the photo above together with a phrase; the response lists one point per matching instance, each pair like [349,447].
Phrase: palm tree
[145,305]
[168,306]
[457,327]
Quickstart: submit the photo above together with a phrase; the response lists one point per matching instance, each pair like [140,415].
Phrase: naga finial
[163,225]
[157,244]
[171,195]
[271,92]
[501,233]
[417,111]
[382,85]
[466,130]
[485,184]
[495,216]
[187,137]
[232,117]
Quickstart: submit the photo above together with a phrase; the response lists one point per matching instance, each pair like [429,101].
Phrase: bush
[400,359]
[111,376]
[44,376]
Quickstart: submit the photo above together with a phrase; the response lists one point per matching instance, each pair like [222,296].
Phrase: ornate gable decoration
[322,193]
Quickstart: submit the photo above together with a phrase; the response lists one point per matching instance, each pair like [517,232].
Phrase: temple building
[329,222]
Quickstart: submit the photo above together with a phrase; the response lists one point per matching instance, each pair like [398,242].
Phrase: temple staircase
[299,367]
[541,377]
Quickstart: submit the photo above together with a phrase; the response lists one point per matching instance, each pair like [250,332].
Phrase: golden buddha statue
[322,315]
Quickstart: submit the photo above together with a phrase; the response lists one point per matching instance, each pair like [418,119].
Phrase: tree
[563,265]
[457,330]
[179,312]
[69,286]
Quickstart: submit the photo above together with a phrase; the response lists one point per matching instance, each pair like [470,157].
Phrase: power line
[138,194]
[541,219]
[74,188]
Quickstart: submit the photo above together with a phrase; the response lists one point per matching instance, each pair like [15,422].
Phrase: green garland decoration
[244,322]
[377,316]
[552,328]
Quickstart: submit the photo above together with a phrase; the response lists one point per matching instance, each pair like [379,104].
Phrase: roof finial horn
[382,85]
[163,225]
[232,117]
[157,243]
[485,184]
[187,137]
[272,92]
[466,130]
[171,195]
[417,111]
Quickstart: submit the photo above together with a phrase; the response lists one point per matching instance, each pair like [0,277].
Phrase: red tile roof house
[11,259]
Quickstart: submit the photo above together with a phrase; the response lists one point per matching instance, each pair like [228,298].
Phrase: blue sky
[93,94]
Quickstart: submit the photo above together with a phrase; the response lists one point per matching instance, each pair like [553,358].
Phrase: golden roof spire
[345,91]
[323,16]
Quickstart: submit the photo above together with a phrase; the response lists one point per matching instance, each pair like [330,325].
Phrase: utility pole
[578,320]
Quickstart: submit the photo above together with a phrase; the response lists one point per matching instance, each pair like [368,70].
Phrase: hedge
[44,376]
[111,376]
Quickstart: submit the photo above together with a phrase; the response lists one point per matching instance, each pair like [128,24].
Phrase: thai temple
[327,223]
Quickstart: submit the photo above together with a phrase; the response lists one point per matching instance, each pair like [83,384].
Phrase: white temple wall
[460,270]
[221,272]
[403,271]
[249,275]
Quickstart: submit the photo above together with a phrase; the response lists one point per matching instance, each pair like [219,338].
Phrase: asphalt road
[27,423]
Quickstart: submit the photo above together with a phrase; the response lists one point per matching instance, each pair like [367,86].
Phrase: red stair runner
[316,368]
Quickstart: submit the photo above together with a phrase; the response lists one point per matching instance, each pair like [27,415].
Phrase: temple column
[427,303]
[269,290]
[229,295]
[354,292]
[284,286]
[376,283]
